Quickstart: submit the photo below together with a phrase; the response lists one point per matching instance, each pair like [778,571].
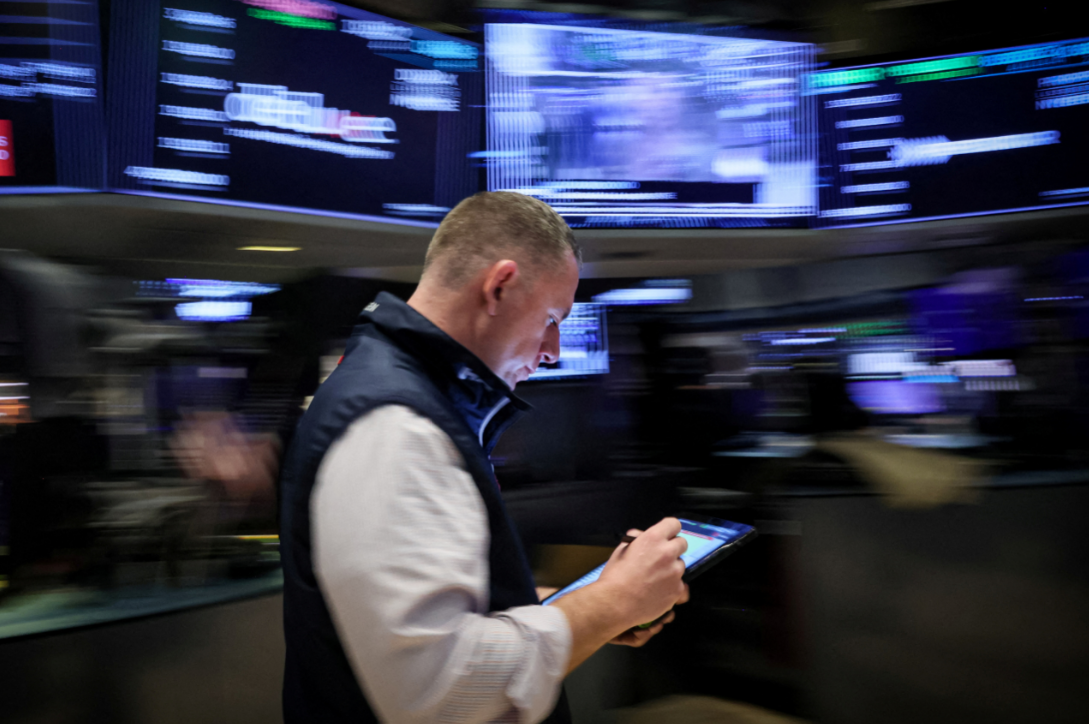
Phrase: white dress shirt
[400,547]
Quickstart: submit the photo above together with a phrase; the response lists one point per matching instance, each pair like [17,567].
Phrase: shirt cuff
[535,686]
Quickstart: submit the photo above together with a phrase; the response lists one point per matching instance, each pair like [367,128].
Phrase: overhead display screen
[51,122]
[625,128]
[1002,130]
[293,104]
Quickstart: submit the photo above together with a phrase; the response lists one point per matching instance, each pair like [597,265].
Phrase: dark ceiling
[155,238]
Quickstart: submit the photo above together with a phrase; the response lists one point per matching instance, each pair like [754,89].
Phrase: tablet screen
[703,540]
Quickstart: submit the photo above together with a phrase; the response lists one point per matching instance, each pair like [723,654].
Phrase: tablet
[709,541]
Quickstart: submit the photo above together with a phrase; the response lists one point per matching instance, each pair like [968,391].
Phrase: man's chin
[519,376]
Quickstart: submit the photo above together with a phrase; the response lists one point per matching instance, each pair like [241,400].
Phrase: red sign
[7,150]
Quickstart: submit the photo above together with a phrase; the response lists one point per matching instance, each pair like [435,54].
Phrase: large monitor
[52,135]
[1002,130]
[300,105]
[625,128]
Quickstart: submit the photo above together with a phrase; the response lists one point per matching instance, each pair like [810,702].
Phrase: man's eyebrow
[566,314]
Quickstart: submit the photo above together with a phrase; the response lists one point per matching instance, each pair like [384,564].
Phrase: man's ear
[500,277]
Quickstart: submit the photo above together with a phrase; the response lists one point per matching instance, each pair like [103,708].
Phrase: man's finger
[650,633]
[627,638]
[638,637]
[652,630]
[685,595]
[667,527]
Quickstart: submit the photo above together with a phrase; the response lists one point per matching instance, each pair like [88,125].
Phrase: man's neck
[448,311]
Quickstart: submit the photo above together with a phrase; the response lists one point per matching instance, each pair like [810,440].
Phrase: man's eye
[552,320]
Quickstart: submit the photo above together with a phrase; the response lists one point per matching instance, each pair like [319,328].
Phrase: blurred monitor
[895,397]
[214,311]
[1070,292]
[623,128]
[51,121]
[183,387]
[298,106]
[584,345]
[976,312]
[1001,130]
[647,293]
[210,300]
[203,289]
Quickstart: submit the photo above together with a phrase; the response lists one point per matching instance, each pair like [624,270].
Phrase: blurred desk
[944,441]
[771,445]
[769,452]
[50,612]
[957,613]
[781,445]
[220,664]
[1020,479]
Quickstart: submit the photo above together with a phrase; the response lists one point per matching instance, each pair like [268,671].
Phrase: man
[407,596]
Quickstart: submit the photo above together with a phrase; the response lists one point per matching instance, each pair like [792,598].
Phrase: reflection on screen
[631,128]
[703,540]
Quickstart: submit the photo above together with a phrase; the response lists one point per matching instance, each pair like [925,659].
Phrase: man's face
[527,332]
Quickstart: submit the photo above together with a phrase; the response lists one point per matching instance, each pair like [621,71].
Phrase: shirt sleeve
[400,546]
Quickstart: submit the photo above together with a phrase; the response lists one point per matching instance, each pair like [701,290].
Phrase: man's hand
[641,582]
[646,573]
[636,637]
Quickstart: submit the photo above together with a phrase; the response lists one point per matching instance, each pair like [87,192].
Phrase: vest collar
[488,405]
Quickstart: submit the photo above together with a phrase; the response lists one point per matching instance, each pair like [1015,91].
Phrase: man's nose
[550,348]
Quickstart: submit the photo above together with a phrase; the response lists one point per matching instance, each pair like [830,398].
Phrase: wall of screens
[1003,130]
[301,105]
[51,121]
[313,106]
[621,128]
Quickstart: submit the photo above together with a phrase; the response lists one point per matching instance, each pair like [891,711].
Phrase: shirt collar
[479,394]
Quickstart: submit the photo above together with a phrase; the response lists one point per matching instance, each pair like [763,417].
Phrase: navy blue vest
[396,356]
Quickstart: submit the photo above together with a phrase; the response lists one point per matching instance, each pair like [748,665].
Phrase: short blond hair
[492,225]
